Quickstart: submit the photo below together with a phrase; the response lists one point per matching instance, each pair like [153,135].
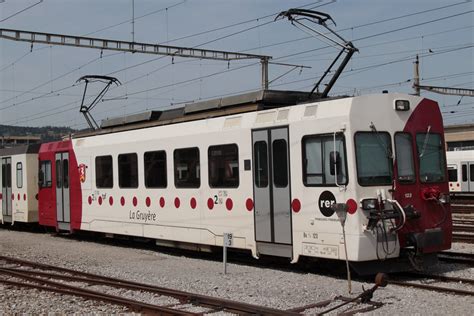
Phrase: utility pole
[437,89]
[416,79]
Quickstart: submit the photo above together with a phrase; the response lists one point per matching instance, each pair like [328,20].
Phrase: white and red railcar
[19,184]
[461,171]
[277,177]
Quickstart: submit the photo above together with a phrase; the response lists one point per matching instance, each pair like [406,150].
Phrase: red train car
[60,199]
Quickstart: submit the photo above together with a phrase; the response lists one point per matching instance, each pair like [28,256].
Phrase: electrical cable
[21,11]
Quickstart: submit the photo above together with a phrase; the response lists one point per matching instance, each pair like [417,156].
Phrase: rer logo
[326,200]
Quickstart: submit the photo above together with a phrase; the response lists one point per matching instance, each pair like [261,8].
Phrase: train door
[7,189]
[467,176]
[63,210]
[272,191]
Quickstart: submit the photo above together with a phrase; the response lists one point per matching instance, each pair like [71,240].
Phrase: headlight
[402,105]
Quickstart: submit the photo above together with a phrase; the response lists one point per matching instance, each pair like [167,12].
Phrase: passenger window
[464,173]
[223,166]
[128,170]
[261,164]
[155,169]
[404,157]
[322,160]
[19,175]
[104,172]
[186,168]
[44,176]
[280,163]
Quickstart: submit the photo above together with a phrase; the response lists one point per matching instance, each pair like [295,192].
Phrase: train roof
[248,102]
[17,150]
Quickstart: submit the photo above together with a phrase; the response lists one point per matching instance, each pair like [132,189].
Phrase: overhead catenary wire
[157,70]
[379,34]
[221,72]
[21,11]
[354,27]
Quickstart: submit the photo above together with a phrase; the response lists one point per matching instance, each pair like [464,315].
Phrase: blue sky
[38,87]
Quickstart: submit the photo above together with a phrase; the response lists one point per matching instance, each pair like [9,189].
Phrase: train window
[280,163]
[44,176]
[186,168]
[404,155]
[464,173]
[471,172]
[322,159]
[128,170]
[59,177]
[374,158]
[223,166]
[66,173]
[261,164]
[452,174]
[19,175]
[155,169]
[431,157]
[104,172]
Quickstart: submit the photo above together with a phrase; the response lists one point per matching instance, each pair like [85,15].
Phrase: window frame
[303,157]
[138,171]
[356,160]
[165,174]
[413,155]
[180,186]
[96,169]
[21,175]
[237,184]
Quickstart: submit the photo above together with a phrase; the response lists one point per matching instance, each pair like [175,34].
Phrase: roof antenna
[297,17]
[85,109]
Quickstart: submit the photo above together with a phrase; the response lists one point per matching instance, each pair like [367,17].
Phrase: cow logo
[82,172]
[326,200]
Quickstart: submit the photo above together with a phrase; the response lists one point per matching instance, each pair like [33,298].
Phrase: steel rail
[432,288]
[75,291]
[456,257]
[440,277]
[463,238]
[199,299]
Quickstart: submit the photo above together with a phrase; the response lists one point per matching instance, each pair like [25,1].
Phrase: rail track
[437,283]
[27,274]
[462,208]
[21,273]
[457,257]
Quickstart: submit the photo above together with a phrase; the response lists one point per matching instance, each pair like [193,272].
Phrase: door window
[280,163]
[19,175]
[261,164]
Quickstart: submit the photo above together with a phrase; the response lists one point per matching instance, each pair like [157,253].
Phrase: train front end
[402,182]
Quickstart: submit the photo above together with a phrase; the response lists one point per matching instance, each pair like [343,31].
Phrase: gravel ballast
[255,285]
